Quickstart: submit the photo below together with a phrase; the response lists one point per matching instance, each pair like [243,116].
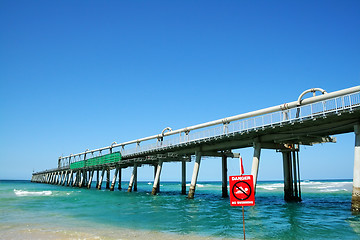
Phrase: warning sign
[242,191]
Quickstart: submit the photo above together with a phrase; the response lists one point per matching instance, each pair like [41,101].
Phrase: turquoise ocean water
[41,211]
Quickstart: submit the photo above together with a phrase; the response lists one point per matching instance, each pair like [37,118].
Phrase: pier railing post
[195,175]
[355,200]
[157,178]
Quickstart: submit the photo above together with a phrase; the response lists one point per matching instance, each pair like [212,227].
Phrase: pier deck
[282,128]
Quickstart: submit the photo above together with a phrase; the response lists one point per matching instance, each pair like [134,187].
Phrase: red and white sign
[242,192]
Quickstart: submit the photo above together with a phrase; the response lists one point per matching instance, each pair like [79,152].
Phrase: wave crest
[28,193]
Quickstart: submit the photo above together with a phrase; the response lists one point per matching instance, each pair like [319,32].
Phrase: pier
[283,128]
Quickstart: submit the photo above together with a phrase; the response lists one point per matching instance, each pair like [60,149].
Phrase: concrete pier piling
[135,178]
[70,178]
[81,178]
[108,178]
[65,177]
[355,199]
[132,179]
[90,178]
[288,191]
[97,178]
[183,177]
[292,191]
[195,175]
[55,178]
[119,183]
[101,178]
[86,180]
[60,179]
[255,163]
[74,179]
[225,193]
[157,178]
[158,184]
[114,179]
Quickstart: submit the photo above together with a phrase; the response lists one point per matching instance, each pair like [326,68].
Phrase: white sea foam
[267,188]
[326,186]
[312,186]
[28,193]
[270,187]
[197,185]
[334,190]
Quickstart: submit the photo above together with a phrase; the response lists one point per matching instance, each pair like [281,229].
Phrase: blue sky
[79,75]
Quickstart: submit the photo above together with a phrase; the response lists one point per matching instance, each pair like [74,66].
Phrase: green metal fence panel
[108,158]
[79,164]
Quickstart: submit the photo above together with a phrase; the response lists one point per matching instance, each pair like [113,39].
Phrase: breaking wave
[28,193]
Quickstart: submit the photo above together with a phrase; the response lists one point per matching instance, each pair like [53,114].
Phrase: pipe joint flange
[225,121]
[186,131]
[285,106]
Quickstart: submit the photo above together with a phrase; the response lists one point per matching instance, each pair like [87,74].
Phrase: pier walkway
[284,127]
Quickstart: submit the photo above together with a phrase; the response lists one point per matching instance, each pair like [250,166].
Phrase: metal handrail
[298,114]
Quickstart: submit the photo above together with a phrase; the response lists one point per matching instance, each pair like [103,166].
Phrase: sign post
[242,193]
